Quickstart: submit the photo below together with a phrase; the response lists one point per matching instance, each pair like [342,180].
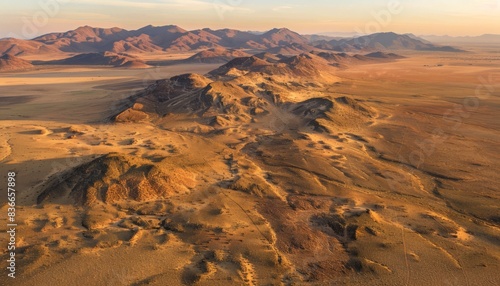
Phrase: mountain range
[171,38]
[486,38]
[381,42]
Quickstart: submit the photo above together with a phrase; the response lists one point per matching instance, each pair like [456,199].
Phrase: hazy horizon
[32,18]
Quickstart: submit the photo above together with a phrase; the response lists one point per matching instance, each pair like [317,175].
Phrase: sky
[30,18]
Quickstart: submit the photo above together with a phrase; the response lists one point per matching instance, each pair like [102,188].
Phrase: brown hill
[241,91]
[269,57]
[328,114]
[279,37]
[214,102]
[134,64]
[206,36]
[152,101]
[383,42]
[221,104]
[10,63]
[115,177]
[343,60]
[190,81]
[243,64]
[216,55]
[161,35]
[104,59]
[18,47]
[233,38]
[148,39]
[83,39]
[194,41]
[139,44]
[382,55]
[307,66]
[291,49]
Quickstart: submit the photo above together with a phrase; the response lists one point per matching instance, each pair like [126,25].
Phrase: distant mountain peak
[279,30]
[171,28]
[83,28]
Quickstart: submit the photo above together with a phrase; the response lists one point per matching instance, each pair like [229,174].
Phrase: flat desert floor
[415,192]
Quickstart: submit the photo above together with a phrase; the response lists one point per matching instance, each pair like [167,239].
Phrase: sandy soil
[409,198]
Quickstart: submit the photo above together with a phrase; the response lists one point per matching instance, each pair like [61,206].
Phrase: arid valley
[263,164]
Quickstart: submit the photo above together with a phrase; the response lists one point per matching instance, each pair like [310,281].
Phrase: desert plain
[380,172]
